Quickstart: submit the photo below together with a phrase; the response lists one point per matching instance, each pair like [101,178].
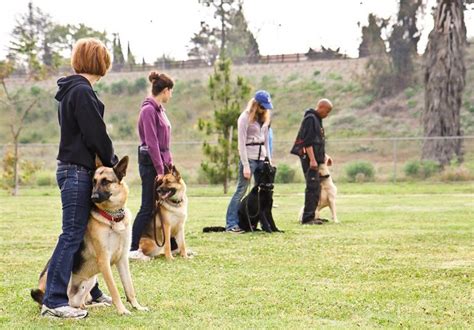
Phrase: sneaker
[103,299]
[312,222]
[235,230]
[63,312]
[138,255]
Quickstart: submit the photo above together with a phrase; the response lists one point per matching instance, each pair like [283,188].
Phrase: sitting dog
[256,207]
[106,242]
[327,196]
[171,212]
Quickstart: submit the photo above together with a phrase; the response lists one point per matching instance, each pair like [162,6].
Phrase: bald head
[324,107]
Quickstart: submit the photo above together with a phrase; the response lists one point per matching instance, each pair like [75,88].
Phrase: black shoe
[323,220]
[312,222]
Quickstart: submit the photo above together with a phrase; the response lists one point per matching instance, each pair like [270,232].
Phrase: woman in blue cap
[253,148]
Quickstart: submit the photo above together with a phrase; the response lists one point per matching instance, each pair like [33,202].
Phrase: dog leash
[247,208]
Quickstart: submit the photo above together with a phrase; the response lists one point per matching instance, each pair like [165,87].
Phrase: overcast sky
[156,27]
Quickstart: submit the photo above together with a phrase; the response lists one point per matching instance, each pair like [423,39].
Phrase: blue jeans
[75,183]
[232,217]
[144,215]
[148,175]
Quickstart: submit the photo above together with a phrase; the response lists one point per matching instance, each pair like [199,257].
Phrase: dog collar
[325,176]
[114,216]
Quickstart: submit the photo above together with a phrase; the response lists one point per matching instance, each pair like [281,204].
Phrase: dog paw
[141,308]
[124,312]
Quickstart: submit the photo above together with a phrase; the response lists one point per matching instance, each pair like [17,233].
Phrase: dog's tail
[213,229]
[38,294]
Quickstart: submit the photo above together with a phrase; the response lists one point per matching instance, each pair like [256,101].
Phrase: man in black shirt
[309,146]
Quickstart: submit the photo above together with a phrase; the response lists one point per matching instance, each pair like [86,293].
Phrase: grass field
[402,257]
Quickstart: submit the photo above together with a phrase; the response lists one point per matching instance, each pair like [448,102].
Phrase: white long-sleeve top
[251,133]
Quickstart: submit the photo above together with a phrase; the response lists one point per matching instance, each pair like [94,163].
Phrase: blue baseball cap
[264,99]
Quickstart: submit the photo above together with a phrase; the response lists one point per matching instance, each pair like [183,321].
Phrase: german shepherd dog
[106,242]
[256,207]
[171,212]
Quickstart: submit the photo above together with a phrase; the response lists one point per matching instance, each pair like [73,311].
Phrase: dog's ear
[329,161]
[175,173]
[120,169]
[98,162]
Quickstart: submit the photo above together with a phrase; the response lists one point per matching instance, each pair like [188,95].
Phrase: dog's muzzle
[100,196]
[164,192]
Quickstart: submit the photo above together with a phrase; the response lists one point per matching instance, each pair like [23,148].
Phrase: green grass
[402,257]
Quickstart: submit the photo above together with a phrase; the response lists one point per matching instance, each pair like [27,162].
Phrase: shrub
[359,171]
[456,174]
[45,179]
[421,169]
[285,174]
[118,87]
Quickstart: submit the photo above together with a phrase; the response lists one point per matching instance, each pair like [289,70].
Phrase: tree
[379,67]
[372,42]
[228,98]
[241,42]
[130,58]
[18,106]
[30,44]
[117,53]
[204,44]
[231,33]
[403,42]
[445,75]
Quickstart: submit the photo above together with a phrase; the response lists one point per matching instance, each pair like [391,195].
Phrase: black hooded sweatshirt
[311,133]
[83,131]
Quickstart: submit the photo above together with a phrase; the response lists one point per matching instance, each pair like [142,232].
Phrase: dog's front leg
[332,206]
[167,229]
[181,243]
[103,261]
[264,222]
[124,272]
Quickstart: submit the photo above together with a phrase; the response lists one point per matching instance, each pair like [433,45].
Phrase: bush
[360,171]
[118,87]
[45,179]
[421,169]
[285,174]
[456,174]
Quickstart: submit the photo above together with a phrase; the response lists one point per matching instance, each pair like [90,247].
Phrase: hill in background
[294,87]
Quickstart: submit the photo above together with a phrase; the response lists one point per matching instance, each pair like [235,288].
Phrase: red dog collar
[119,215]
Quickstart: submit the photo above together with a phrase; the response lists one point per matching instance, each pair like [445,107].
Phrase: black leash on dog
[156,211]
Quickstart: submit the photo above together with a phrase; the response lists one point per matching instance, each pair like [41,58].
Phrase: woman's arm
[93,128]
[242,126]
[147,119]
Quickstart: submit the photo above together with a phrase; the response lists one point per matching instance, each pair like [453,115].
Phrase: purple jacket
[154,129]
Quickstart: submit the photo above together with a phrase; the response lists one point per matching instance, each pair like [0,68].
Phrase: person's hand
[247,173]
[313,164]
[159,177]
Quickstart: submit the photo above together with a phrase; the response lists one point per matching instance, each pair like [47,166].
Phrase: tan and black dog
[106,242]
[171,212]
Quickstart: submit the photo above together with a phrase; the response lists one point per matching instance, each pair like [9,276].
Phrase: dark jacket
[311,133]
[83,131]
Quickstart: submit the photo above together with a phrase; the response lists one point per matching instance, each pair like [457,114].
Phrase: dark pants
[75,183]
[313,189]
[144,215]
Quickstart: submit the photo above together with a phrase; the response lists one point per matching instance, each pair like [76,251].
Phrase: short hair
[325,102]
[159,81]
[90,55]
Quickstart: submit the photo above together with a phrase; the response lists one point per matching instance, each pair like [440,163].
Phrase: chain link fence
[388,156]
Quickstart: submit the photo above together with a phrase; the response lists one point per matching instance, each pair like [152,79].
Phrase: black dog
[256,207]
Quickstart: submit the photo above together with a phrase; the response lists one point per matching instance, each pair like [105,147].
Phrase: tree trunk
[444,83]
[15,169]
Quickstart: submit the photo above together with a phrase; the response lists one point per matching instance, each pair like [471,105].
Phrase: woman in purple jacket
[154,129]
